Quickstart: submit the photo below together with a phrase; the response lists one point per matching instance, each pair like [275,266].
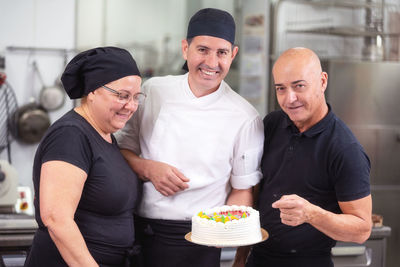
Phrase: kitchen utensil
[51,97]
[29,123]
[8,105]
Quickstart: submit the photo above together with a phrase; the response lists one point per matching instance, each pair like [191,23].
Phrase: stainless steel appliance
[16,235]
[371,253]
[366,95]
[16,230]
[8,186]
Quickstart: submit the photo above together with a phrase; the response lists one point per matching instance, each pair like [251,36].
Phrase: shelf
[345,31]
[340,3]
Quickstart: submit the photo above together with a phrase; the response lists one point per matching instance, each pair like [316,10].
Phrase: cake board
[264,236]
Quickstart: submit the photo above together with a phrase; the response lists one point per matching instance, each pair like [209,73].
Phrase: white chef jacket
[216,141]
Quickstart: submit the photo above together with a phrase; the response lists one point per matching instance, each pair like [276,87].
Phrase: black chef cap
[212,22]
[93,68]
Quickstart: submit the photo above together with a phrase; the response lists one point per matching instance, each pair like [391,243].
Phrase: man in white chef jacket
[196,144]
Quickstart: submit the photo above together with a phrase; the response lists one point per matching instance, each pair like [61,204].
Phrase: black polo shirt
[324,165]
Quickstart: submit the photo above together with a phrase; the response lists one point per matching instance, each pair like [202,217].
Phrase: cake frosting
[227,225]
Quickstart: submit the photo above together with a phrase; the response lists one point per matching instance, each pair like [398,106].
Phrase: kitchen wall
[151,30]
[34,23]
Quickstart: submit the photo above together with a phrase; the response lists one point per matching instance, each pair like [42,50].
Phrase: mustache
[206,67]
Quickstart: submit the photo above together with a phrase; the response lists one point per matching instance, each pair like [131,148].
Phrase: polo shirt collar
[313,131]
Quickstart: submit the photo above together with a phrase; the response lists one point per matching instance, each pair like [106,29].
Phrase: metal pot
[29,123]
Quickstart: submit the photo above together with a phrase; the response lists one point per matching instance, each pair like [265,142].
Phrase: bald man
[315,187]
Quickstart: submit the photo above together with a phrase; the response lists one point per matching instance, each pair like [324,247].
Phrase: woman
[85,192]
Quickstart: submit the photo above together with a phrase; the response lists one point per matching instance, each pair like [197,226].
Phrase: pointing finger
[283,204]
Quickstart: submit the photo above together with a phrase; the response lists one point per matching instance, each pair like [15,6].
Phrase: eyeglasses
[124,97]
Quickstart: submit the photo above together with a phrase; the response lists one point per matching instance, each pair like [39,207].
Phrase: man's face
[209,59]
[300,90]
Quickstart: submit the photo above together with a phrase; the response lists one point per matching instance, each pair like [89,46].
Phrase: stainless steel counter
[372,253]
[15,241]
[16,235]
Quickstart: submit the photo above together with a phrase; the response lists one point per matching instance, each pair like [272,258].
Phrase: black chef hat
[212,22]
[93,68]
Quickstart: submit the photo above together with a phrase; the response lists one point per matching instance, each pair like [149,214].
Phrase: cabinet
[16,235]
[372,253]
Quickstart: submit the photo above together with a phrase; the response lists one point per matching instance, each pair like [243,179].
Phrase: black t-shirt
[105,211]
[324,165]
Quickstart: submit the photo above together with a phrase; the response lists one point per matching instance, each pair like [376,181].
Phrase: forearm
[247,198]
[166,178]
[240,197]
[352,225]
[341,227]
[241,256]
[138,164]
[70,243]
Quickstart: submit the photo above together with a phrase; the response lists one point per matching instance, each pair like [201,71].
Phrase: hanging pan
[30,121]
[50,97]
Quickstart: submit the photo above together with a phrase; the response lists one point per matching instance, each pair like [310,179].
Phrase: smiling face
[300,85]
[109,114]
[209,59]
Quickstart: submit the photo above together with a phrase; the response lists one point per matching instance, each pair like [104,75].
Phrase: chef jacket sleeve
[247,155]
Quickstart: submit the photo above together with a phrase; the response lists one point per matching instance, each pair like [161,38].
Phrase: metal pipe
[340,3]
[39,49]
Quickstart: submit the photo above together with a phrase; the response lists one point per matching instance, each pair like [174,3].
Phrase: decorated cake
[227,226]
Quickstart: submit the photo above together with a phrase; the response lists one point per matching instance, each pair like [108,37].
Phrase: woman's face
[108,111]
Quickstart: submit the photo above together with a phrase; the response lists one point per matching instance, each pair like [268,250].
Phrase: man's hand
[352,225]
[294,210]
[167,179]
